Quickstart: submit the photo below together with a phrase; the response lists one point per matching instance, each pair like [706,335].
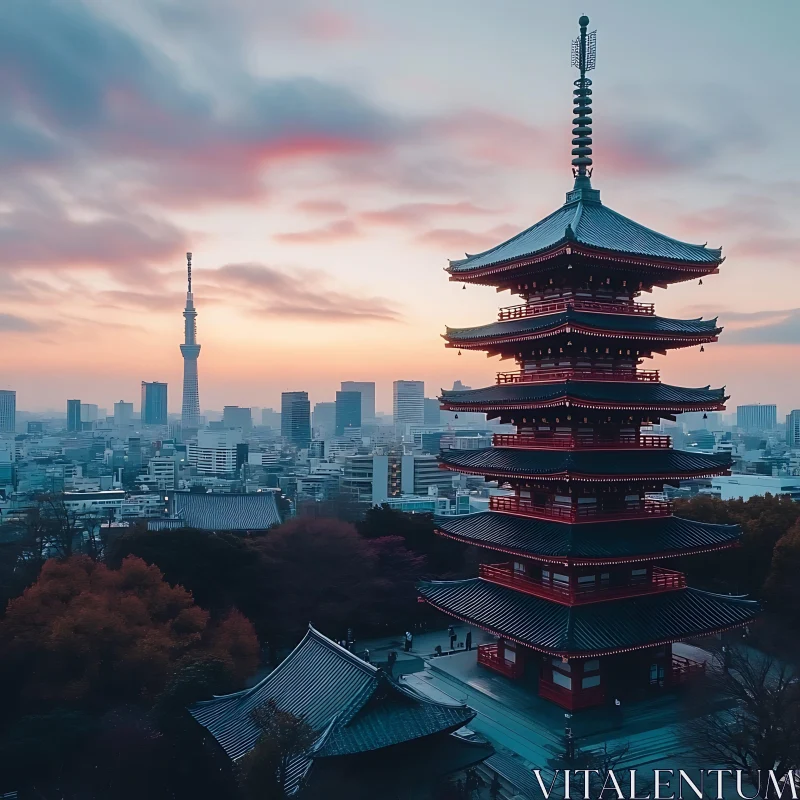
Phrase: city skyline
[452,154]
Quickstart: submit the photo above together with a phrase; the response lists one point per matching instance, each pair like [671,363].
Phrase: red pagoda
[582,600]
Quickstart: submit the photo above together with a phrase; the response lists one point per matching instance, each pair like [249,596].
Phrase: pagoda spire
[584,57]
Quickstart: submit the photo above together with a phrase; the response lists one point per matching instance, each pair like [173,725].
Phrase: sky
[323,160]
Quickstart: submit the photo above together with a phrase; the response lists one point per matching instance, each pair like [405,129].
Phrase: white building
[263,458]
[215,452]
[103,504]
[408,402]
[733,487]
[123,414]
[162,472]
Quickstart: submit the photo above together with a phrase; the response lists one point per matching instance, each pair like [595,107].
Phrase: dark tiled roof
[595,540]
[352,705]
[593,628]
[635,324]
[642,463]
[254,511]
[588,393]
[596,226]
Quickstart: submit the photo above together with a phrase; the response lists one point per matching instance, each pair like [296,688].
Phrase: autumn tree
[90,637]
[782,586]
[265,770]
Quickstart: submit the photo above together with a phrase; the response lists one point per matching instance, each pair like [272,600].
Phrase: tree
[284,737]
[759,732]
[90,637]
[782,586]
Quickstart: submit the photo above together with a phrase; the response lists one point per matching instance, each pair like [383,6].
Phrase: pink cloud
[321,206]
[336,231]
[416,213]
[460,240]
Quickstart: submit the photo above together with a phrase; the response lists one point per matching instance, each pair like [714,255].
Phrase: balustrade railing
[662,580]
[555,306]
[685,669]
[572,374]
[579,513]
[559,440]
[488,656]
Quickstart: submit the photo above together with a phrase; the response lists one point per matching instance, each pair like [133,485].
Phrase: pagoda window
[546,576]
[591,666]
[510,652]
[562,680]
[586,582]
[561,580]
[590,682]
[564,666]
[638,575]
[525,493]
[519,568]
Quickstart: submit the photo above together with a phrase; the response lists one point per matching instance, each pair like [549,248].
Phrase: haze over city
[322,174]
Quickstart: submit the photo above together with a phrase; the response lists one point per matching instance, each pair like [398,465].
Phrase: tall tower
[190,350]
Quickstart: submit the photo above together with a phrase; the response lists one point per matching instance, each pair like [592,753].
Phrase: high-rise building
[296,418]
[348,412]
[89,412]
[237,417]
[757,417]
[323,420]
[793,429]
[154,403]
[270,418]
[8,410]
[432,413]
[216,452]
[367,389]
[73,415]
[408,402]
[190,350]
[123,413]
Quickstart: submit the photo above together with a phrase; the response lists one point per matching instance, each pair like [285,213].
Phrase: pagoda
[582,601]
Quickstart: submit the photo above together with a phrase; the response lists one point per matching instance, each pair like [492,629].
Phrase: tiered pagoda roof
[618,541]
[594,629]
[352,705]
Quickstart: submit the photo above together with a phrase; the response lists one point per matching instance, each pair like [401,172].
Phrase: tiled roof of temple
[588,222]
[637,464]
[593,628]
[217,511]
[643,538]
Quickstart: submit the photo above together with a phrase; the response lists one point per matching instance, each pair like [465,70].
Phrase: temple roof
[592,628]
[640,464]
[588,222]
[585,394]
[637,325]
[588,541]
[351,704]
[254,511]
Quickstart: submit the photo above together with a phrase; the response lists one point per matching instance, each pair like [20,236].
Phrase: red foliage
[86,634]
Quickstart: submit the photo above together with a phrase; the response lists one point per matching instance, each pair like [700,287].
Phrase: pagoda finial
[189,270]
[584,56]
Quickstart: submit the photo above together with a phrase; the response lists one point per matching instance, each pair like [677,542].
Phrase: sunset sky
[323,161]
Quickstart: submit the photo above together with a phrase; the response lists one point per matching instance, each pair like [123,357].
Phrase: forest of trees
[106,642]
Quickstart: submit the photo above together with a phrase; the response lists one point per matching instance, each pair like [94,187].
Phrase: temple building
[582,602]
[369,726]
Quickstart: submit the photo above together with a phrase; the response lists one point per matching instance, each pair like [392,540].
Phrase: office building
[123,413]
[734,487]
[757,417]
[163,472]
[793,429]
[89,413]
[154,403]
[348,412]
[8,411]
[367,390]
[408,402]
[73,415]
[296,418]
[432,414]
[217,452]
[323,420]
[271,418]
[190,350]
[237,417]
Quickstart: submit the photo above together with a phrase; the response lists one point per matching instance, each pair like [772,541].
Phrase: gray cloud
[11,323]
[782,327]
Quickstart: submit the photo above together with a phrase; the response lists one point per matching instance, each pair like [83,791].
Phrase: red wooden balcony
[560,440]
[564,513]
[663,580]
[684,670]
[555,306]
[570,374]
[488,657]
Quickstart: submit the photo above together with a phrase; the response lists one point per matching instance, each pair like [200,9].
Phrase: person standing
[409,641]
[366,657]
[390,662]
[451,632]
[468,640]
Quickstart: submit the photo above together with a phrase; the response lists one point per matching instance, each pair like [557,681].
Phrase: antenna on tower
[189,269]
[584,58]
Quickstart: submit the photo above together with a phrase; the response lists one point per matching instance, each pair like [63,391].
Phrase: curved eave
[568,248]
[568,476]
[665,408]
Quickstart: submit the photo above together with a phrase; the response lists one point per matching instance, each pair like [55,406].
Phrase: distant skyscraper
[270,418]
[296,418]
[432,414]
[348,411]
[793,429]
[757,417]
[89,412]
[154,403]
[237,417]
[123,413]
[367,389]
[190,408]
[408,407]
[73,415]
[324,420]
[8,411]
